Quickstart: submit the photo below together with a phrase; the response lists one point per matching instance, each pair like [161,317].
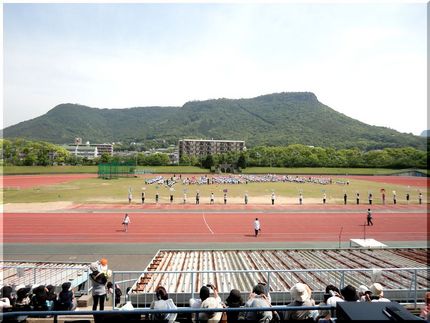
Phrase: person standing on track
[420,198]
[143,197]
[369,217]
[197,198]
[358,198]
[324,198]
[125,222]
[257,227]
[370,198]
[246,198]
[345,198]
[212,201]
[273,198]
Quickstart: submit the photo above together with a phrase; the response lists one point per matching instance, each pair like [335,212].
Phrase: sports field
[49,212]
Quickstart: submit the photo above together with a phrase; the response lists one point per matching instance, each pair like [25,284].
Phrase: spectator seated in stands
[6,300]
[349,293]
[301,295]
[38,300]
[66,298]
[22,301]
[364,293]
[213,317]
[234,300]
[163,302]
[258,298]
[378,293]
[51,297]
[22,298]
[214,301]
[331,297]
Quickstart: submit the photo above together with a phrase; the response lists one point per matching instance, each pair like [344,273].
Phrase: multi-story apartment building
[90,151]
[203,147]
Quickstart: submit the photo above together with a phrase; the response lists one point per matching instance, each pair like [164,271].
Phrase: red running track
[26,181]
[209,227]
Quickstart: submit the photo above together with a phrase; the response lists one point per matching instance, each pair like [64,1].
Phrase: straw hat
[377,289]
[299,292]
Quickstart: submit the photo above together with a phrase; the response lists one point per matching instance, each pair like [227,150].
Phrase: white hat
[377,289]
[299,292]
[362,289]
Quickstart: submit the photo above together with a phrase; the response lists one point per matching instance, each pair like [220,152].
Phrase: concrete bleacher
[15,273]
[316,267]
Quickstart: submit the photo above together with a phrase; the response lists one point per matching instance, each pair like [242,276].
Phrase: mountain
[276,119]
[425,133]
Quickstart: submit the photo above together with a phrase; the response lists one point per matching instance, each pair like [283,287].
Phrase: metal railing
[407,285]
[14,275]
[121,315]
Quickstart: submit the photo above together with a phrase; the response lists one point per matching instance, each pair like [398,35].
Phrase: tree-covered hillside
[270,120]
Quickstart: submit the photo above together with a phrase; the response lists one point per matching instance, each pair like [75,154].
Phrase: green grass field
[95,190]
[325,171]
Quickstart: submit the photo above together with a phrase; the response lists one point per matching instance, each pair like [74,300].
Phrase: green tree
[208,162]
[241,161]
[105,158]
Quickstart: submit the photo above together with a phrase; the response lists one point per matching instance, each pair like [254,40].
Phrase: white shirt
[381,299]
[126,220]
[257,225]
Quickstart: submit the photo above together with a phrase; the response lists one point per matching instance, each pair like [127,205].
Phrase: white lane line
[204,219]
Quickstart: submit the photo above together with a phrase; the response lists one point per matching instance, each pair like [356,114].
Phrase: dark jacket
[65,301]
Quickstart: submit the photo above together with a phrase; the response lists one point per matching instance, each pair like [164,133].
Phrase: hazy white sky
[367,61]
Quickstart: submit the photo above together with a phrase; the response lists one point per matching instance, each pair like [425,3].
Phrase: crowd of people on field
[237,179]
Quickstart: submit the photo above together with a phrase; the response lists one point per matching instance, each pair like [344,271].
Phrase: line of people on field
[370,198]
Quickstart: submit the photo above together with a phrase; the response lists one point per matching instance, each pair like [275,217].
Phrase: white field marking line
[204,219]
